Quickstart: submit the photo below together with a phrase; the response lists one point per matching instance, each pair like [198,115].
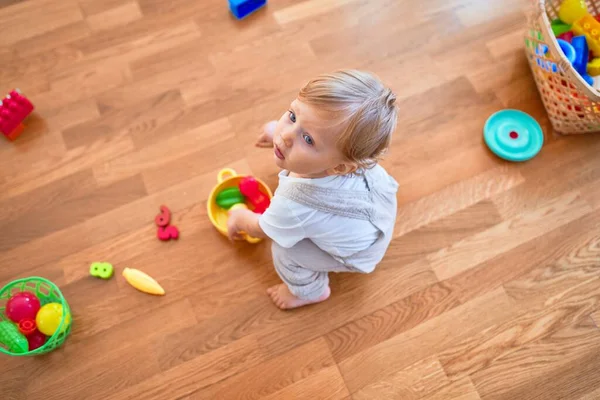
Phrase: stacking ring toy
[513,135]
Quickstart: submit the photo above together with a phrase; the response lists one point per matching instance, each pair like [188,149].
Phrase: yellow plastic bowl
[218,216]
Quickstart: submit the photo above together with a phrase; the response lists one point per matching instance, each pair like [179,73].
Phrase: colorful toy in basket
[34,317]
[513,135]
[582,30]
[579,44]
[568,50]
[589,27]
[229,184]
[559,27]
[571,10]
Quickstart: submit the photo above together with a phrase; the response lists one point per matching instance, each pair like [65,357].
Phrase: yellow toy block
[588,26]
[571,10]
[593,67]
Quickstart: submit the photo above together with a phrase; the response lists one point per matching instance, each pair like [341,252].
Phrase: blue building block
[243,8]
[581,54]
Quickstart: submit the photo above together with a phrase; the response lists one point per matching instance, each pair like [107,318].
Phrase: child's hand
[265,139]
[234,229]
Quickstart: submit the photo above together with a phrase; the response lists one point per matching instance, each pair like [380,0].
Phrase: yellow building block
[588,26]
[593,67]
[571,10]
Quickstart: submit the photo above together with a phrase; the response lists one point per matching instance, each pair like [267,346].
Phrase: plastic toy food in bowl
[228,178]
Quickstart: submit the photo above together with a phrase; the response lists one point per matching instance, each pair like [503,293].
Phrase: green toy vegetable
[230,196]
[101,270]
[12,338]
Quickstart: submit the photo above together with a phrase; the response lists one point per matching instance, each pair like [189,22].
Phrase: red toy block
[167,233]
[164,217]
[567,36]
[13,110]
[15,133]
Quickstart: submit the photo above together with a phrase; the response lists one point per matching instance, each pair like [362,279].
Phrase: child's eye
[308,139]
[292,116]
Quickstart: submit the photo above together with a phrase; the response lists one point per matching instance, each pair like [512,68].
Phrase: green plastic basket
[47,292]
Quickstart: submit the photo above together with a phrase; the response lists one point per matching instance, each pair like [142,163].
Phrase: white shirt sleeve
[281,224]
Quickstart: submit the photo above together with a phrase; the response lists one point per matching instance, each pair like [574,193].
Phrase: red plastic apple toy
[22,305]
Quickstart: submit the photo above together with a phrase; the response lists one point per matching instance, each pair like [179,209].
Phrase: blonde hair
[365,106]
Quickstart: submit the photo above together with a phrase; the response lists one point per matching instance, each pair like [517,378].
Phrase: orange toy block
[590,27]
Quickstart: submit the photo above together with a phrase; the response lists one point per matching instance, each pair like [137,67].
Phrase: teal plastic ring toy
[513,135]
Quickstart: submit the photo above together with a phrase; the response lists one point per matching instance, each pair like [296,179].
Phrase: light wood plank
[574,348]
[469,252]
[109,19]
[414,382]
[29,19]
[383,359]
[273,375]
[464,194]
[326,385]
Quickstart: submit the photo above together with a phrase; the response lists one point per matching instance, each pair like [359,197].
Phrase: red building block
[13,110]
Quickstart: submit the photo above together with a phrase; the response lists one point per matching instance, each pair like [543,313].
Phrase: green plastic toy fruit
[47,292]
[12,338]
[228,197]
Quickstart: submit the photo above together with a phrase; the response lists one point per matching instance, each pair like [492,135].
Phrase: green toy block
[102,270]
[559,27]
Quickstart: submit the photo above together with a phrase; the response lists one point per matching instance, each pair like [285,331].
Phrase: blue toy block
[580,45]
[243,8]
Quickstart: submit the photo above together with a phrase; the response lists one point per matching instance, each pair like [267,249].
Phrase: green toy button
[101,270]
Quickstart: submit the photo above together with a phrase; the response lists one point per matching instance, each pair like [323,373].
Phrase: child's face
[305,142]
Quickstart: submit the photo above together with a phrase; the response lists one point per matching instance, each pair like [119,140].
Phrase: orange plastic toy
[590,27]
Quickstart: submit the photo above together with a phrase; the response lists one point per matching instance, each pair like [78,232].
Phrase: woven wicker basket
[573,106]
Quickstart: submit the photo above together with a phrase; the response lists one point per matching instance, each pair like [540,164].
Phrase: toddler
[335,207]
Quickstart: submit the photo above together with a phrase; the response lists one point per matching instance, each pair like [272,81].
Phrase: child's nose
[288,137]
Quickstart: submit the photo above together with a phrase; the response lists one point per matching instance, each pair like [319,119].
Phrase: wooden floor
[491,287]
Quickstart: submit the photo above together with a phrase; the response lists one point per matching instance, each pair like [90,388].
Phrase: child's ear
[345,168]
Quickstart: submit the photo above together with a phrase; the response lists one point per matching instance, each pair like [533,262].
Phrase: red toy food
[27,326]
[164,217]
[567,36]
[36,340]
[22,305]
[167,233]
[13,110]
[249,188]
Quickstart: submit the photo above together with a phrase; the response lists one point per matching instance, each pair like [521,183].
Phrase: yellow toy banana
[142,282]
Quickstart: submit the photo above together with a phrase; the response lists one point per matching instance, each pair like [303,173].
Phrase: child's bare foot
[266,137]
[284,299]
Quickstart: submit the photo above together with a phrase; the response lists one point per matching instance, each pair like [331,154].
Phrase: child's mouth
[278,153]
